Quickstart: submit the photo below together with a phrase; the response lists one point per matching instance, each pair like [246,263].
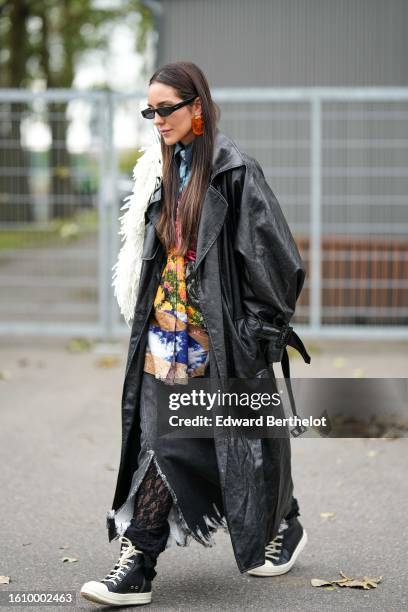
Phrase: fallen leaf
[318,582]
[365,582]
[69,559]
[339,362]
[108,361]
[328,515]
[78,345]
[5,375]
[372,453]
[4,579]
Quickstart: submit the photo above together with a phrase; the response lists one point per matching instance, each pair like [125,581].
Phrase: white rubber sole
[268,569]
[99,593]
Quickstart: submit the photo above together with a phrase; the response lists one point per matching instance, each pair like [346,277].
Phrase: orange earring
[197,125]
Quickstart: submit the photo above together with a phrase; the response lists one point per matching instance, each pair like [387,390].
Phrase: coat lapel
[212,218]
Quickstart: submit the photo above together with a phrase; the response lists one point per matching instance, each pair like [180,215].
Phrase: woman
[209,274]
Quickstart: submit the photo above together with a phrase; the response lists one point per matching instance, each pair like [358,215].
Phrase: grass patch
[58,232]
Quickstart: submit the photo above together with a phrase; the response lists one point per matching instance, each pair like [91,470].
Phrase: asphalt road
[59,454]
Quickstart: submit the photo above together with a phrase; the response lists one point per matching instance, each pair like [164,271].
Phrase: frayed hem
[180,532]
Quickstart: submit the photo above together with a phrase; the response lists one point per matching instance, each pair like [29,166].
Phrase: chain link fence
[335,158]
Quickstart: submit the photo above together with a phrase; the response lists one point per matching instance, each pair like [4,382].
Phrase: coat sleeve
[272,269]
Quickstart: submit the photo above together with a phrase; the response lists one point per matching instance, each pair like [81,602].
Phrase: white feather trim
[132,226]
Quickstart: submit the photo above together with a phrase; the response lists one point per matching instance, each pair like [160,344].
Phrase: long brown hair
[188,81]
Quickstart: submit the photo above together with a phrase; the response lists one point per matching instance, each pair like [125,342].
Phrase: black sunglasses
[165,111]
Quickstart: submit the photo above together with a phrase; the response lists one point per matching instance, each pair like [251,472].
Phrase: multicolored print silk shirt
[177,341]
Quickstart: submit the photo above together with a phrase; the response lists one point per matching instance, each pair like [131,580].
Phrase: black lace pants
[149,529]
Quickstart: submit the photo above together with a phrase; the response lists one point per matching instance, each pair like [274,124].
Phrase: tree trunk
[15,197]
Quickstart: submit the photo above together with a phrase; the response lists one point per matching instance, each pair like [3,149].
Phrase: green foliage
[127,160]
[46,38]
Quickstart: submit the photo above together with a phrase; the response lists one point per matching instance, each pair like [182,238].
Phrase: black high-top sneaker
[126,584]
[282,552]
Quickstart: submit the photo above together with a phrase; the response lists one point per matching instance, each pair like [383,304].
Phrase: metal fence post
[106,197]
[315,215]
[112,214]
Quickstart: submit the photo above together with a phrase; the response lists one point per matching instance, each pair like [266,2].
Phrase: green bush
[127,160]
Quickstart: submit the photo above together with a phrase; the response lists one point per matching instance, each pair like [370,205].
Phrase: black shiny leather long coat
[250,274]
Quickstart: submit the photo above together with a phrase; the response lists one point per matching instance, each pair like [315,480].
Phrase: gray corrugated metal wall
[289,43]
[296,43]
[364,144]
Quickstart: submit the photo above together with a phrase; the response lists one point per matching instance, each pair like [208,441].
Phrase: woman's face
[176,126]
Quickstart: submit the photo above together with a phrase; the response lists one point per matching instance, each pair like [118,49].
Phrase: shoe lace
[124,561]
[274,548]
